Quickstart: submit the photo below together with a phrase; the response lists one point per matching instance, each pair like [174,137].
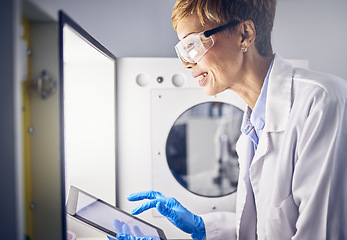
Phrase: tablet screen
[106,217]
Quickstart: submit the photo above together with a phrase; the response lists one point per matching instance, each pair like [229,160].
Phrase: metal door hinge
[46,85]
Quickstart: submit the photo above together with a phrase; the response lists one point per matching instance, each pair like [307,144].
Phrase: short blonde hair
[261,12]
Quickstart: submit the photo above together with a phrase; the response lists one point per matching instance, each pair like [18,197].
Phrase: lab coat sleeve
[220,225]
[320,174]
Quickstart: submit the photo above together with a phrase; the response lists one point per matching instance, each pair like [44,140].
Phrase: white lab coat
[299,171]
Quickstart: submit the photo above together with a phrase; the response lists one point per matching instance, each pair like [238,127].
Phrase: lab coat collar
[279,96]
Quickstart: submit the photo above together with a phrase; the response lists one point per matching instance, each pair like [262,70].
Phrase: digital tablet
[107,218]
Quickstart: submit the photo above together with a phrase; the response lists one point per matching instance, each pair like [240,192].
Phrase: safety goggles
[194,46]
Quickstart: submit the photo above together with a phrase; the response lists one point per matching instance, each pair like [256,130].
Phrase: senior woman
[292,182]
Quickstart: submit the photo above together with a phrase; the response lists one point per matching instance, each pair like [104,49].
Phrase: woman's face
[221,67]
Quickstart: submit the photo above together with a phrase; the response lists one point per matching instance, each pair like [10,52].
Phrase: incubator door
[88,103]
[193,139]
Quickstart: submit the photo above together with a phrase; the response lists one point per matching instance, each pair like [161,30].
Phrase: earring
[243,49]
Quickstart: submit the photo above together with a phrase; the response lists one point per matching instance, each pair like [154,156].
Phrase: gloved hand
[122,227]
[123,236]
[172,210]
[124,232]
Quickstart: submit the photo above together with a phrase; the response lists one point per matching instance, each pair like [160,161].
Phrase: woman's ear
[248,33]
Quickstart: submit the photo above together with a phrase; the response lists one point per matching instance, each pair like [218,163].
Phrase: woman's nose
[188,65]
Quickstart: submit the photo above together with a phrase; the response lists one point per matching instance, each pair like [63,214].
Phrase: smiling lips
[201,79]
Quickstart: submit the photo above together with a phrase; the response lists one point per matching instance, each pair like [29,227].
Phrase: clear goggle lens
[192,48]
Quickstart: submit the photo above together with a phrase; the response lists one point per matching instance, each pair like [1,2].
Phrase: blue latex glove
[124,232]
[122,227]
[123,236]
[172,210]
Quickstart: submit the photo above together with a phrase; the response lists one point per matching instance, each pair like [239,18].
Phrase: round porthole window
[201,148]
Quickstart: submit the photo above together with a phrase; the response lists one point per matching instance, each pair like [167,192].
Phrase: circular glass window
[201,148]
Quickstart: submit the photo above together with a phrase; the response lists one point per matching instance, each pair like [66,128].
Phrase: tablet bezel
[71,206]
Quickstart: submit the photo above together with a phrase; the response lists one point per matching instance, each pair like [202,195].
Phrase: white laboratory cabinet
[153,93]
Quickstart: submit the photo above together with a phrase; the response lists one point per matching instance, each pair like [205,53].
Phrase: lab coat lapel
[245,151]
[263,148]
[255,170]
[279,96]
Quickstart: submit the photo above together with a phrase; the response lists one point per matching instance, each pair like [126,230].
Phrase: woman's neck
[255,70]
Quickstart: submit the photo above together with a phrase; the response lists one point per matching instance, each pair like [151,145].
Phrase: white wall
[314,30]
[128,28]
[305,29]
